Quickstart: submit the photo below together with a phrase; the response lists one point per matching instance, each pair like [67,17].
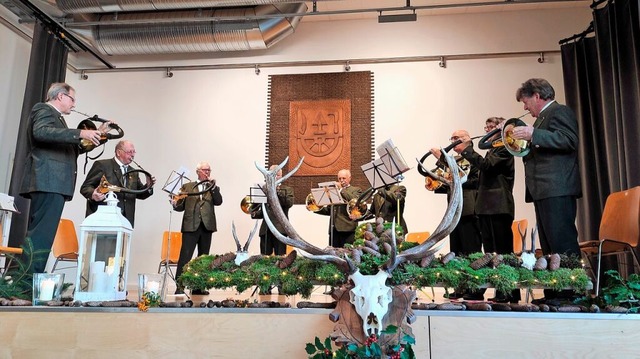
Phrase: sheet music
[328,194]
[392,159]
[175,181]
[377,174]
[7,204]
[257,195]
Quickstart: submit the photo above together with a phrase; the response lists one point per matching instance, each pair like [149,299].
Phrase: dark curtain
[47,64]
[602,84]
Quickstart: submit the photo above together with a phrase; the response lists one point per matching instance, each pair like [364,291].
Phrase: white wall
[219,115]
[14,63]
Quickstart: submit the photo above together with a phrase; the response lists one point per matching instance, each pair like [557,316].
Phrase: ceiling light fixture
[399,17]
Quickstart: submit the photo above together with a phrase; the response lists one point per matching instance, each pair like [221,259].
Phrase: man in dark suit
[199,219]
[494,204]
[114,170]
[552,175]
[269,244]
[50,167]
[388,202]
[342,228]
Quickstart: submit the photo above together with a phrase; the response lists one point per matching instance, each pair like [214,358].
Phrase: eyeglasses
[205,169]
[69,96]
[131,152]
[454,138]
[489,127]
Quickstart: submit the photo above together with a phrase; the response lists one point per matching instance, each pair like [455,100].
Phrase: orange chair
[65,244]
[176,244]
[417,237]
[619,229]
[517,227]
[8,253]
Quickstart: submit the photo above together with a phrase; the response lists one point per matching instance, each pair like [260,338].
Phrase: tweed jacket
[112,172]
[551,167]
[51,163]
[495,182]
[341,219]
[199,210]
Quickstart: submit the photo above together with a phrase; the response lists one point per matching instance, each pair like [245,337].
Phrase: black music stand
[328,194]
[392,159]
[172,186]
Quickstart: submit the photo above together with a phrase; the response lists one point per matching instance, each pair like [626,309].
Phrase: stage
[64,332]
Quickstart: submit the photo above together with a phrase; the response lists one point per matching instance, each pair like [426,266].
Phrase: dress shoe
[199,292]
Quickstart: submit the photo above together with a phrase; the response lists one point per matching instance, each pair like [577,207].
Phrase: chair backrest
[517,240]
[176,244]
[66,239]
[417,237]
[621,217]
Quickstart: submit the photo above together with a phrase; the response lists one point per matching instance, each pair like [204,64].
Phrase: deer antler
[294,239]
[446,226]
[235,235]
[246,246]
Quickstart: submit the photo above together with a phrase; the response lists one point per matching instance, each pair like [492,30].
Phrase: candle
[46,289]
[153,287]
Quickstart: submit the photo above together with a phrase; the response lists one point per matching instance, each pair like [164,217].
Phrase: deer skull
[371,298]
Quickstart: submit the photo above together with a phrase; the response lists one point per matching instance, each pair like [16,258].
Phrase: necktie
[125,168]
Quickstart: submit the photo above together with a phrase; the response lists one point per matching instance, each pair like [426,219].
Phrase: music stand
[392,159]
[328,194]
[257,195]
[172,186]
[378,175]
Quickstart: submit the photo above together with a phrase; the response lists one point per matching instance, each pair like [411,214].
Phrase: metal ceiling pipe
[194,37]
[102,6]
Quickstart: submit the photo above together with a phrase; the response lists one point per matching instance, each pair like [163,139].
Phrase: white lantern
[103,261]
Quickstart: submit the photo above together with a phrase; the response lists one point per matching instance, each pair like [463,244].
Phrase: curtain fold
[47,64]
[602,84]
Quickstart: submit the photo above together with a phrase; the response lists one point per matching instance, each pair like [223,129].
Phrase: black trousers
[201,238]
[44,216]
[465,238]
[269,244]
[557,231]
[497,236]
[342,238]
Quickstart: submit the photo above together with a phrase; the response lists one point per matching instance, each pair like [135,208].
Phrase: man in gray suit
[50,167]
[552,176]
[199,220]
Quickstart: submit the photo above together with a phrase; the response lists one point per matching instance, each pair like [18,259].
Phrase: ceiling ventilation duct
[183,31]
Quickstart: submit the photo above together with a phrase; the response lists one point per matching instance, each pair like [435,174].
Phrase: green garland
[303,274]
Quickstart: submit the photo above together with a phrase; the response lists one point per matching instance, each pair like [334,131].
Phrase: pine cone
[356,255]
[541,264]
[369,227]
[371,251]
[250,260]
[424,262]
[379,221]
[482,261]
[554,261]
[369,235]
[287,261]
[379,228]
[387,247]
[448,257]
[451,306]
[220,260]
[372,246]
[497,260]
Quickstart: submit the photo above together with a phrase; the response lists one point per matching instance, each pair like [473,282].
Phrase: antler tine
[394,250]
[291,172]
[523,236]
[446,226]
[294,238]
[534,234]
[235,234]
[255,227]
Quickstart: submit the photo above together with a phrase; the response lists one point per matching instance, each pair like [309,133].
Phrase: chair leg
[598,269]
[54,265]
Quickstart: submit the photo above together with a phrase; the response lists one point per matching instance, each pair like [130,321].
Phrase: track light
[257,70]
[169,73]
[347,67]
[443,62]
[83,75]
[397,17]
[541,57]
